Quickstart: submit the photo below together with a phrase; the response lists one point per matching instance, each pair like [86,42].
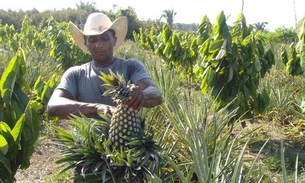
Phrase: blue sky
[277,13]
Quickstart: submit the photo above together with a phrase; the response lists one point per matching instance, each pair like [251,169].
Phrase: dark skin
[144,93]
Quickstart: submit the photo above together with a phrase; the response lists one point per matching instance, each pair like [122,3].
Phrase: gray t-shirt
[84,84]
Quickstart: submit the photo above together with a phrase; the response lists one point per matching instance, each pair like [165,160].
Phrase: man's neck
[103,64]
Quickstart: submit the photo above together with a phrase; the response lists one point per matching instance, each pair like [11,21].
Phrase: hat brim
[119,26]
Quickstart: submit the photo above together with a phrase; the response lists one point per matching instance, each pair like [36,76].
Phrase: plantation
[232,108]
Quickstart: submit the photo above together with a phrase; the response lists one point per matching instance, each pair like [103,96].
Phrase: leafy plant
[88,150]
[19,126]
[178,50]
[64,49]
[43,90]
[292,60]
[233,62]
[300,49]
[281,35]
[230,62]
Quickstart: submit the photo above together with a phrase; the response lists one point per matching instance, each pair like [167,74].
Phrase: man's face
[101,46]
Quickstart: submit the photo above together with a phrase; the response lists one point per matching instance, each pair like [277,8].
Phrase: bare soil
[43,167]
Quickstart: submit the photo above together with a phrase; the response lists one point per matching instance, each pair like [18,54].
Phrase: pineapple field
[232,110]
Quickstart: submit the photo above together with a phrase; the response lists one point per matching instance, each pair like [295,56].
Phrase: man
[80,89]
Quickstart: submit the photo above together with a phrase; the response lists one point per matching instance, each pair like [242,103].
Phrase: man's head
[99,24]
[101,46]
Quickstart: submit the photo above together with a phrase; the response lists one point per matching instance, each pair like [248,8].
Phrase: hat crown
[96,22]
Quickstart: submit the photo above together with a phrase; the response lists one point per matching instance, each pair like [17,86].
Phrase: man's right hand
[106,110]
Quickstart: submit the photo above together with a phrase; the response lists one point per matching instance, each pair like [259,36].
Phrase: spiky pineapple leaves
[87,148]
[112,80]
[84,148]
[146,150]
[116,85]
[83,144]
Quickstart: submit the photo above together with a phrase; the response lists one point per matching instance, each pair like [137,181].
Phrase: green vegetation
[19,123]
[229,62]
[200,141]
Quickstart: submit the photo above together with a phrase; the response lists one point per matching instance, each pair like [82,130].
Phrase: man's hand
[105,109]
[136,99]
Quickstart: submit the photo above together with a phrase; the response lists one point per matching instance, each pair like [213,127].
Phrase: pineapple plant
[124,123]
[115,148]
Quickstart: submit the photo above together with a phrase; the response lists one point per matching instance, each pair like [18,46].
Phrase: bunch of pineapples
[119,152]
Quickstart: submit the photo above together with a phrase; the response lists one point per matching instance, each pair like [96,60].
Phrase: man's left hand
[136,99]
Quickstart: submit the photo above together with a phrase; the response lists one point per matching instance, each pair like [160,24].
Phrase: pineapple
[96,157]
[124,123]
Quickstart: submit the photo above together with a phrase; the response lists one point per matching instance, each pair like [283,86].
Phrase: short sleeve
[69,80]
[137,71]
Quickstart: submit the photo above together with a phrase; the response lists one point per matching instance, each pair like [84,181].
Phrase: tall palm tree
[169,16]
[260,26]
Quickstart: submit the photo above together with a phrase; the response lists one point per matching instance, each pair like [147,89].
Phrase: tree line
[79,14]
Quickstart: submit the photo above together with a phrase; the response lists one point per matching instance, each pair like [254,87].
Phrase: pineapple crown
[116,86]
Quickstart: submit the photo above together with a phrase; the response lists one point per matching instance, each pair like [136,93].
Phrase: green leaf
[17,130]
[221,54]
[216,45]
[48,89]
[7,81]
[30,132]
[257,64]
[238,166]
[16,112]
[13,145]
[20,97]
[246,91]
[230,74]
[38,87]
[220,23]
[14,70]
[6,163]
[4,127]
[3,145]
[249,69]
[64,134]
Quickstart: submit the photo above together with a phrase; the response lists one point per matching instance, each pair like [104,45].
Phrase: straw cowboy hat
[96,24]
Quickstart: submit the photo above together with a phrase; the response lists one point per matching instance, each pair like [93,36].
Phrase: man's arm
[61,104]
[152,96]
[144,94]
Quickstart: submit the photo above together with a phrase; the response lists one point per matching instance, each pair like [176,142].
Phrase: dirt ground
[43,167]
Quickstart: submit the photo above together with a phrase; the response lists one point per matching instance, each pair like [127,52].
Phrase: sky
[278,13]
